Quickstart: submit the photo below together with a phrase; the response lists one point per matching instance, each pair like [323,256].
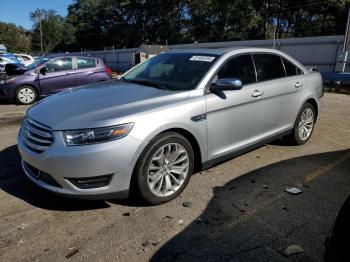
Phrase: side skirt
[239,152]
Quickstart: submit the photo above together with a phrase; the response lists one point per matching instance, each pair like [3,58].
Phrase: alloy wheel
[168,169]
[306,124]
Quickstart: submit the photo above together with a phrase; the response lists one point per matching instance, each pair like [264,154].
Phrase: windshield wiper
[145,82]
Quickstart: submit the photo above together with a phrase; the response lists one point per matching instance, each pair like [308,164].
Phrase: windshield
[36,63]
[172,71]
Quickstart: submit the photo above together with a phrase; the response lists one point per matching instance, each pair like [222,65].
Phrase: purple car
[48,76]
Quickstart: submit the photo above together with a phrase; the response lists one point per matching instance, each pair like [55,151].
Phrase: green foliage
[100,24]
[55,30]
[16,39]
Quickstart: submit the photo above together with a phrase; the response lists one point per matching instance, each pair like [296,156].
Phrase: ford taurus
[178,112]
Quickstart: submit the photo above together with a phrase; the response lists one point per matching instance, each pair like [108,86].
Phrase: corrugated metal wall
[118,59]
[310,51]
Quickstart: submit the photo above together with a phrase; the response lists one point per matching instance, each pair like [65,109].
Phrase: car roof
[221,51]
[212,51]
[243,49]
[68,55]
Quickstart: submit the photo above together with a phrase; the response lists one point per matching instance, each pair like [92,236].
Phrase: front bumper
[6,90]
[62,163]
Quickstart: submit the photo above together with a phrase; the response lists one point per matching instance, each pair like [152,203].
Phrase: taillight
[108,71]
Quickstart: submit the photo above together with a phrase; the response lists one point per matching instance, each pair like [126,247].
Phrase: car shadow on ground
[252,218]
[14,182]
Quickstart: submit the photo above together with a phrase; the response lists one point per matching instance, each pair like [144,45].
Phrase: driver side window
[240,67]
[60,64]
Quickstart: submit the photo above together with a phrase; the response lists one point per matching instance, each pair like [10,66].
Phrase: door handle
[257,93]
[298,85]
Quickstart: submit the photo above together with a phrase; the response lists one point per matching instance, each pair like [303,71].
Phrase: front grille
[37,137]
[40,175]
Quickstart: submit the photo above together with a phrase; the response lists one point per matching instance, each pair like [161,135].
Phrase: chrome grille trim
[32,129]
[34,146]
[37,137]
[39,140]
[38,124]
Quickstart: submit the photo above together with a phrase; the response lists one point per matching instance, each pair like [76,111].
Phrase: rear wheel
[304,125]
[164,168]
[26,95]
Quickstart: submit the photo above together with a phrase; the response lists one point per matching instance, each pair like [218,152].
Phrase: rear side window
[85,63]
[268,67]
[25,58]
[291,69]
[240,67]
[60,64]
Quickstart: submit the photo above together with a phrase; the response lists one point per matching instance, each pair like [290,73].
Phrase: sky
[17,11]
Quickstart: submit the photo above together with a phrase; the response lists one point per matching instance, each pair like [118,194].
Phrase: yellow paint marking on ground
[245,216]
[320,171]
[249,213]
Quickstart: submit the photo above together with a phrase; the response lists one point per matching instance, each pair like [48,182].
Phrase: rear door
[85,71]
[280,93]
[58,77]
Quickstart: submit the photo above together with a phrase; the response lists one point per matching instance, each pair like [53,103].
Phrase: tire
[156,166]
[26,95]
[299,137]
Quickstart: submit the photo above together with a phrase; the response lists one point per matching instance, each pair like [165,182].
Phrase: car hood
[99,105]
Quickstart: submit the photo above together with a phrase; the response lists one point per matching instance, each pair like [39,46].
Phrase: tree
[298,18]
[16,39]
[101,24]
[55,30]
[128,23]
[222,20]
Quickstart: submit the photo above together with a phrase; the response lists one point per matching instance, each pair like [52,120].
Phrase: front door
[234,118]
[58,77]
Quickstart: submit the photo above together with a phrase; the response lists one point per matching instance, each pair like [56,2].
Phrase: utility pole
[342,56]
[347,35]
[41,33]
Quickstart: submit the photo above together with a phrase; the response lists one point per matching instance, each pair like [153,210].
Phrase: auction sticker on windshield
[202,58]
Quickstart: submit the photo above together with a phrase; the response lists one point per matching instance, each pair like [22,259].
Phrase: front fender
[198,133]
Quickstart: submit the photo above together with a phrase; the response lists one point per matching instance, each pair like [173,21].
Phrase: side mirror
[226,84]
[43,70]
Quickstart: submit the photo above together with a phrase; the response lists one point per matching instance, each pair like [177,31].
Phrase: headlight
[96,135]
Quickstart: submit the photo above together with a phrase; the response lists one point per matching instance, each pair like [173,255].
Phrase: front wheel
[164,168]
[304,125]
[26,95]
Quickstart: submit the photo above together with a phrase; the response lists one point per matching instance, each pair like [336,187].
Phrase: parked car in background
[6,60]
[48,76]
[180,111]
[12,57]
[336,246]
[25,59]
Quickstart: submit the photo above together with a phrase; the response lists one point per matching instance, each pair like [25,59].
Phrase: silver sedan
[174,114]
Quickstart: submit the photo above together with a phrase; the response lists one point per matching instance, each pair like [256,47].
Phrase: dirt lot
[238,210]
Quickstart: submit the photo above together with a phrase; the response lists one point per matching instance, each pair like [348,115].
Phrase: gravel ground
[236,211]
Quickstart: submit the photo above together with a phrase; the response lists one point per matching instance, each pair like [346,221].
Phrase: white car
[4,61]
[25,59]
